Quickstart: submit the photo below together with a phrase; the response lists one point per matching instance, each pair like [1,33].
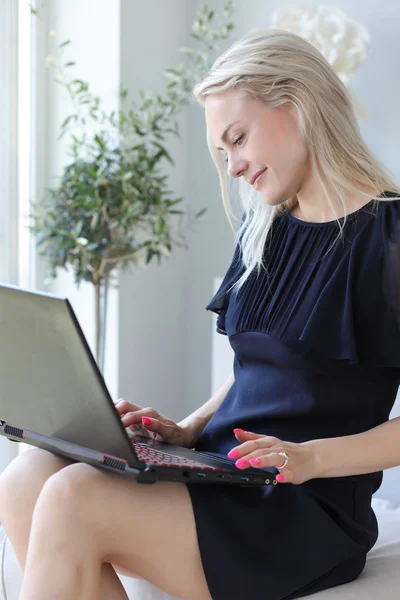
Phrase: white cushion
[380,578]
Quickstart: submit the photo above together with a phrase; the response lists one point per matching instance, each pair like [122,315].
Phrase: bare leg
[88,516]
[20,486]
[62,559]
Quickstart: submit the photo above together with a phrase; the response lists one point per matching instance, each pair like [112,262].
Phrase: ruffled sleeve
[219,302]
[356,317]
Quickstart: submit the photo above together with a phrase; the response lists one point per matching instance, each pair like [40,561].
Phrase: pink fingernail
[146,421]
[238,430]
[241,463]
[233,454]
[280,478]
[254,461]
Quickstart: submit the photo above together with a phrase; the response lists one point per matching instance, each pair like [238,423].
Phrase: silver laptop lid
[49,380]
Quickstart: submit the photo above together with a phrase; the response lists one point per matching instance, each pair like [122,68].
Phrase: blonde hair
[281,68]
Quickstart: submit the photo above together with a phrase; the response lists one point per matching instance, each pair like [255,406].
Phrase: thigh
[21,483]
[24,477]
[147,529]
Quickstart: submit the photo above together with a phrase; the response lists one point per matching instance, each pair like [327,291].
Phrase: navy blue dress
[316,355]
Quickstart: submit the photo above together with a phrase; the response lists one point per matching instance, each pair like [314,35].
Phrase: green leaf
[163,152]
[200,213]
[70,64]
[100,142]
[186,50]
[67,120]
[149,256]
[172,202]
[63,44]
[77,229]
[92,246]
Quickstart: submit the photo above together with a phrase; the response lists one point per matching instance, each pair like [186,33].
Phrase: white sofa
[380,578]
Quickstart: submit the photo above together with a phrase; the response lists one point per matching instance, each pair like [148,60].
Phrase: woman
[308,305]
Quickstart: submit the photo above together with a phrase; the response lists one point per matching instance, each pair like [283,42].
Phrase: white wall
[152,301]
[93,27]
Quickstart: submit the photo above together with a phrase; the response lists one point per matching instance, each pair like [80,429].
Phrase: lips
[256,175]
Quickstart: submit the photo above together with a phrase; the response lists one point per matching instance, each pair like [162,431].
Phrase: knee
[69,493]
[22,480]
[13,481]
[67,504]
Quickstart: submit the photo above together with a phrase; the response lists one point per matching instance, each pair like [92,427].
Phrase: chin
[272,201]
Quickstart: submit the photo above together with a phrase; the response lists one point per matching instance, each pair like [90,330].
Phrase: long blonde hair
[277,68]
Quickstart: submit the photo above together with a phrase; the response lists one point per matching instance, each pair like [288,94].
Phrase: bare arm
[367,452]
[195,422]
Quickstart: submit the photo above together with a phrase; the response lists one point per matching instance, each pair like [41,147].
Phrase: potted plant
[112,207]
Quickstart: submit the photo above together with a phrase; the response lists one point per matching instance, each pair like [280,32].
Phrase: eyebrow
[226,130]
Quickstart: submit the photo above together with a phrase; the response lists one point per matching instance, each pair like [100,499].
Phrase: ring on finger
[285,456]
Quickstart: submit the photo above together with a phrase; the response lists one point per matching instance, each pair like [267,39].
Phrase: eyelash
[239,139]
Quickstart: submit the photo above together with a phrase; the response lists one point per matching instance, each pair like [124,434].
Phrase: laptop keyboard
[163,459]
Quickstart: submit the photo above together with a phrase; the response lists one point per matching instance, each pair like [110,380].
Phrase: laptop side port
[201,474]
[15,431]
[114,463]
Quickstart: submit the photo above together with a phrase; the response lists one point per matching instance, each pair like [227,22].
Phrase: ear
[292,111]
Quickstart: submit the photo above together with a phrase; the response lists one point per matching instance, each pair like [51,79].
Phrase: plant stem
[101,309]
[104,311]
[97,321]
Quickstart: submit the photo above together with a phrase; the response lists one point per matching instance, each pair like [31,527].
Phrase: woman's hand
[149,423]
[302,464]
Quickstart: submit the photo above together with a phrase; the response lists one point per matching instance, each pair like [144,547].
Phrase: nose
[237,168]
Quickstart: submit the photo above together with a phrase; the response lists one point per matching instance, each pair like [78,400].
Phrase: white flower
[341,40]
[52,34]
[82,241]
[49,60]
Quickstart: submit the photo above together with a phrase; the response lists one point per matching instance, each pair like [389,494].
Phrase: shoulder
[390,211]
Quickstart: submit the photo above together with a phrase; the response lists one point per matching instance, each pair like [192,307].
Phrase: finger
[165,430]
[247,447]
[123,406]
[242,434]
[261,460]
[123,402]
[134,431]
[154,424]
[134,417]
[156,428]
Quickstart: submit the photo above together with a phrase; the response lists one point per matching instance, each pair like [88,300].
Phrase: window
[15,156]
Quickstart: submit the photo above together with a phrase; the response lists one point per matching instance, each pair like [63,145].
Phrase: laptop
[53,396]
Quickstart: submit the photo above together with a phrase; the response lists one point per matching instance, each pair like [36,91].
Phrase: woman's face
[260,138]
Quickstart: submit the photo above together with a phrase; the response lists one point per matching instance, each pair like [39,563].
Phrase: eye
[239,139]
[235,143]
